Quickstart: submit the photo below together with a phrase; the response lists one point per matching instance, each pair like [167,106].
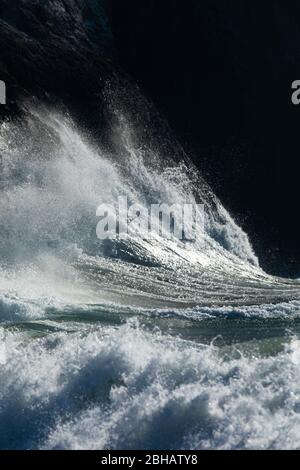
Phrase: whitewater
[138,343]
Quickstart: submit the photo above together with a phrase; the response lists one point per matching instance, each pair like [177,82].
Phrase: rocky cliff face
[58,50]
[220,72]
[75,22]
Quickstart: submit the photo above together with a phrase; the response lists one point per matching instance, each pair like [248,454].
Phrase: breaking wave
[139,343]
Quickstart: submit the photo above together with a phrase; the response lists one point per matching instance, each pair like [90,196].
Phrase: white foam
[120,387]
[128,388]
[53,180]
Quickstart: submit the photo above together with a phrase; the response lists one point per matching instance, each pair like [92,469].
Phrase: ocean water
[136,344]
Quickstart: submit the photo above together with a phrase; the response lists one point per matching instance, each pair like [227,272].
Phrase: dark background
[219,71]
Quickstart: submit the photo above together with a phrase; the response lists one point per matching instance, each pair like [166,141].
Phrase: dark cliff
[60,51]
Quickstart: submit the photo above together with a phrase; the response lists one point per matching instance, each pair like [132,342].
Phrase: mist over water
[143,343]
